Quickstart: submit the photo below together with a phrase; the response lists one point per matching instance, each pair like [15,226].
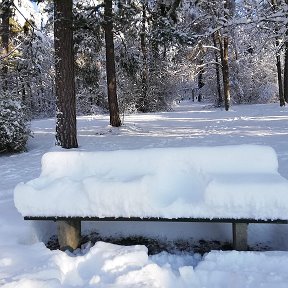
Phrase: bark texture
[218,79]
[200,80]
[66,131]
[225,60]
[279,77]
[285,83]
[278,62]
[5,35]
[143,98]
[225,73]
[110,66]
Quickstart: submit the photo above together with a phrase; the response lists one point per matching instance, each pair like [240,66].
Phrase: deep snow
[26,262]
[232,181]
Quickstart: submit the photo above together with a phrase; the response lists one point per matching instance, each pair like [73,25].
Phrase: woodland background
[220,52]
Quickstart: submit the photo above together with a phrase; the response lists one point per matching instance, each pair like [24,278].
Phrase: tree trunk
[172,11]
[285,84]
[66,131]
[110,66]
[5,34]
[225,60]
[225,73]
[278,62]
[5,29]
[155,18]
[279,76]
[144,88]
[220,98]
[200,80]
[282,101]
[201,72]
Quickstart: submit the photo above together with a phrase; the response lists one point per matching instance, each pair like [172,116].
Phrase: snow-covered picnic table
[237,184]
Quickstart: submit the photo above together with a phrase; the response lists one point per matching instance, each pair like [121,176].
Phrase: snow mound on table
[205,182]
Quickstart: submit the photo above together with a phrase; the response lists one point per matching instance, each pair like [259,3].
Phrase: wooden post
[69,234]
[240,236]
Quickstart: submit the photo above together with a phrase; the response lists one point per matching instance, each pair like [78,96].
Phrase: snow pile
[108,265]
[205,182]
[24,262]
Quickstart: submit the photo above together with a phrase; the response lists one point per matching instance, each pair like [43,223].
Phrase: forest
[65,58]
[157,96]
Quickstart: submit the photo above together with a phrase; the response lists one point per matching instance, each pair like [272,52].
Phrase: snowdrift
[240,181]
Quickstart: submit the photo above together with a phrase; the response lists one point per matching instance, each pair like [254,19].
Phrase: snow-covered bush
[268,92]
[14,126]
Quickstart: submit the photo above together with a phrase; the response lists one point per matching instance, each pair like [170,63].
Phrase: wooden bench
[69,228]
[226,184]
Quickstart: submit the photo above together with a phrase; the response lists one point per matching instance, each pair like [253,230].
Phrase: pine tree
[14,124]
[110,65]
[66,132]
[6,13]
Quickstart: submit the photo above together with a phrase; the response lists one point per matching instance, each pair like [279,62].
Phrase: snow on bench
[237,184]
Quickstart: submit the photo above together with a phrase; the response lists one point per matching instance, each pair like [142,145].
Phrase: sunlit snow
[26,262]
[238,181]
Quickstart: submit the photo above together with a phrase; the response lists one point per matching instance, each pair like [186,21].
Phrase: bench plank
[159,219]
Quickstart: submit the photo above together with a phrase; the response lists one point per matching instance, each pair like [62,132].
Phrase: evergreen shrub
[14,125]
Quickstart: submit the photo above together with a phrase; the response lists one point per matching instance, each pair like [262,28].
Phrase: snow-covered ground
[26,262]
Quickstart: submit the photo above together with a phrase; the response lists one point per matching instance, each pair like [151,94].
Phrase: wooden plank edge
[156,219]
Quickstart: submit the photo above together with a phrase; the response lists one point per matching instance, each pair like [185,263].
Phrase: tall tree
[66,131]
[144,76]
[225,61]
[220,99]
[278,60]
[201,72]
[214,19]
[279,75]
[285,84]
[110,65]
[5,27]
[5,34]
